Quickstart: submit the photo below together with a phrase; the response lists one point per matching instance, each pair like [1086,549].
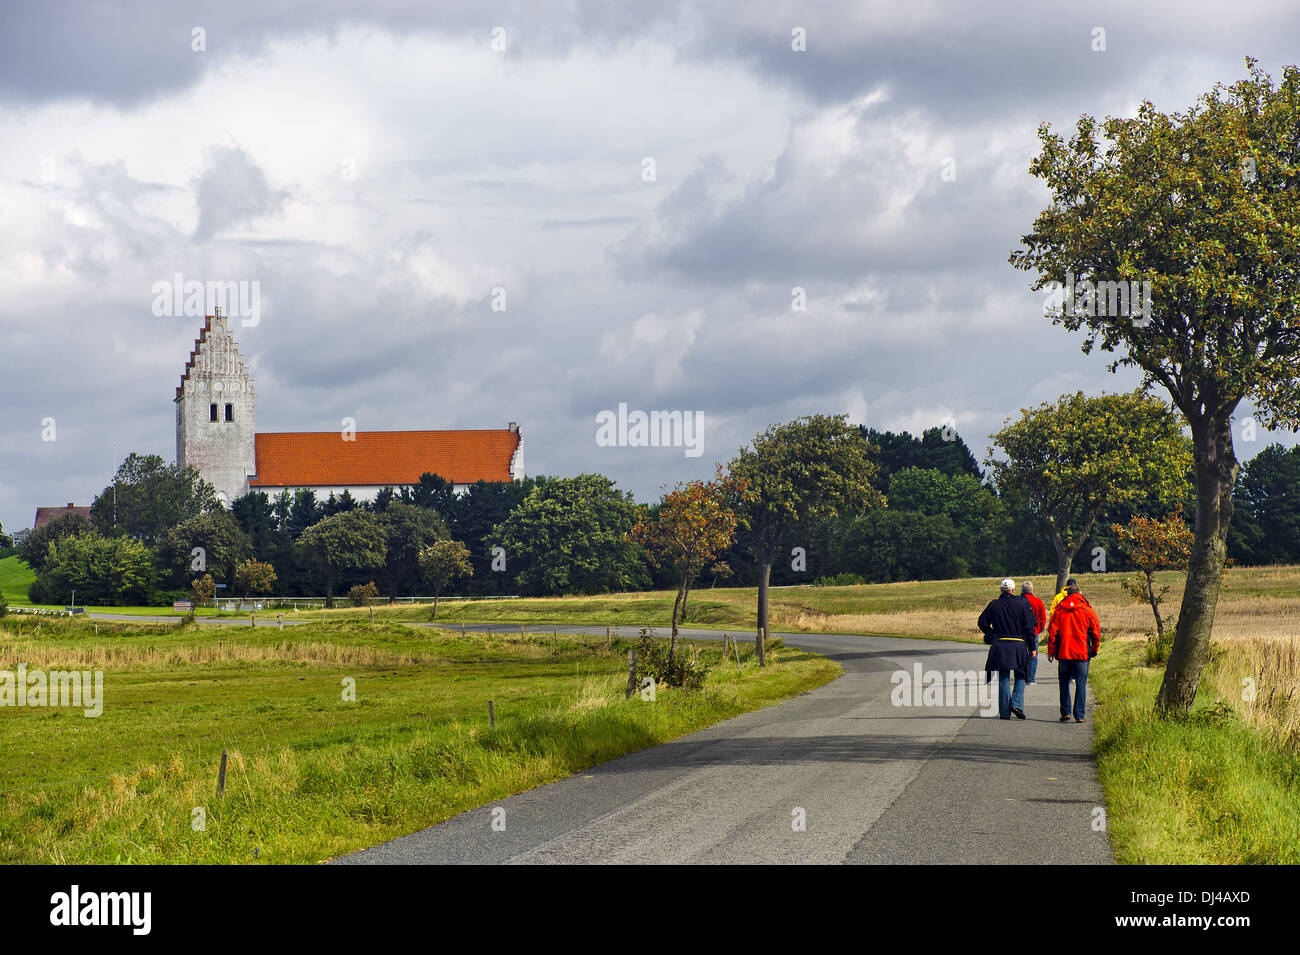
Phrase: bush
[1156,652]
[652,660]
[839,580]
[36,592]
[4,606]
[362,594]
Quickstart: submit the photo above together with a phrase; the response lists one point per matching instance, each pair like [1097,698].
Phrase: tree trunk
[672,641]
[764,576]
[1216,472]
[329,593]
[1064,557]
[435,602]
[1155,608]
[686,595]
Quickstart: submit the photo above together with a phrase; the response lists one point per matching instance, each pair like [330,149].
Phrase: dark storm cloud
[672,294]
[952,58]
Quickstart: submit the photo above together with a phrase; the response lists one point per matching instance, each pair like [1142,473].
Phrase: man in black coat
[1008,625]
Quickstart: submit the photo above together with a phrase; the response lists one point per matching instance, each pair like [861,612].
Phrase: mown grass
[1205,788]
[15,578]
[312,775]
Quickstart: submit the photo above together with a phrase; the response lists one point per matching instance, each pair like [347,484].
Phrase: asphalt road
[872,782]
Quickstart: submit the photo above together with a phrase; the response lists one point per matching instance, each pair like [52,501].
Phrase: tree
[209,542]
[254,577]
[148,496]
[1200,205]
[978,518]
[1266,509]
[442,562]
[256,516]
[407,530]
[431,491]
[202,589]
[35,548]
[473,517]
[940,449]
[1153,545]
[795,473]
[1072,459]
[102,570]
[694,525]
[570,536]
[886,545]
[350,541]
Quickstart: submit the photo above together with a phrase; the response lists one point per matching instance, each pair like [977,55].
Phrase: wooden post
[492,717]
[252,619]
[608,638]
[372,615]
[462,629]
[221,776]
[631,674]
[279,618]
[522,632]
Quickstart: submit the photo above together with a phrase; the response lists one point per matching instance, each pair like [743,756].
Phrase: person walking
[1073,638]
[1008,627]
[1061,594]
[1040,615]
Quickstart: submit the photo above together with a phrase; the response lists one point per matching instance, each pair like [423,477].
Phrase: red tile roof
[324,459]
[46,514]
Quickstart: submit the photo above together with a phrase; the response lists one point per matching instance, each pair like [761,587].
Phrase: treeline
[157,529]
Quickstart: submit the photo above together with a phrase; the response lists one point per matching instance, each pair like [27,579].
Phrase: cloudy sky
[646,182]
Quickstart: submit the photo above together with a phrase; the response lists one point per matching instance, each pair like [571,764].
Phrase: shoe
[1017,712]
[1077,720]
[1004,717]
[1065,719]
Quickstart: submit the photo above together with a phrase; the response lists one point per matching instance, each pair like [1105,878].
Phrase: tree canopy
[1199,208]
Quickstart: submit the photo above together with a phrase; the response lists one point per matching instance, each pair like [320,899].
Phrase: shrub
[1156,651]
[362,594]
[652,660]
[4,606]
[839,580]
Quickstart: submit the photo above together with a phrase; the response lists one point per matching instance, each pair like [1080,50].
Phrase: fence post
[492,717]
[631,674]
[252,619]
[608,638]
[221,776]
[372,615]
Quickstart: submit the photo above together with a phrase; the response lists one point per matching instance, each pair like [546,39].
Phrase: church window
[212,413]
[230,412]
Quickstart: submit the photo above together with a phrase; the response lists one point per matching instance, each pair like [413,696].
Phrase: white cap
[1008,583]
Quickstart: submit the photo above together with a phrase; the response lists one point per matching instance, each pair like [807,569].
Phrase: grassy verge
[1208,788]
[313,775]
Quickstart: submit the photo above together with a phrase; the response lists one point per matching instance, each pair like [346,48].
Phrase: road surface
[871,782]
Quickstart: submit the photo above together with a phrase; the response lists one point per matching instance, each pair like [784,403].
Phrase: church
[216,434]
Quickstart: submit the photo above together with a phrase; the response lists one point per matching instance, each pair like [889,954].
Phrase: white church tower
[215,426]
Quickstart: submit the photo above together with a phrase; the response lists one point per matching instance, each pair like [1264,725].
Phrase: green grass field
[15,578]
[313,775]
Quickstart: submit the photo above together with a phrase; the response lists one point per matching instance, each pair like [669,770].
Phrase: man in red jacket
[1040,614]
[1073,638]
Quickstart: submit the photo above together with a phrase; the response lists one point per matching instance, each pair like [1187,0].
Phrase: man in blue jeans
[1008,626]
[1073,638]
